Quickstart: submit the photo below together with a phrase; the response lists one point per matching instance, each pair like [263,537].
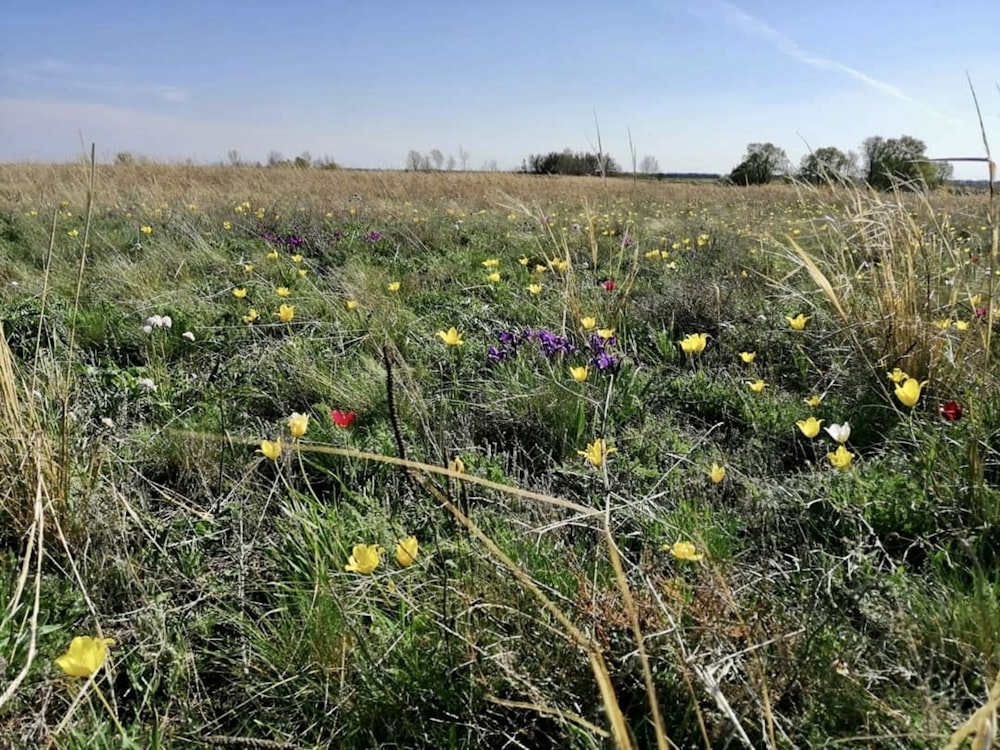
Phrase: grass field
[395,460]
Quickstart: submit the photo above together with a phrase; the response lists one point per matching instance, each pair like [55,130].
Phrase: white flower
[188,335]
[147,384]
[153,321]
[839,432]
[108,422]
[166,322]
[147,329]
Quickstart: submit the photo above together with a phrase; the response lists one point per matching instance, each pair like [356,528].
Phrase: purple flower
[507,338]
[338,234]
[604,361]
[373,236]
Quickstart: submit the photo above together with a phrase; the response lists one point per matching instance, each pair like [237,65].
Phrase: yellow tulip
[684,551]
[813,401]
[457,465]
[596,453]
[352,304]
[286,313]
[271,450]
[84,656]
[251,315]
[588,322]
[239,292]
[748,357]
[961,325]
[364,558]
[494,277]
[717,473]
[273,255]
[694,343]
[909,392]
[491,263]
[248,267]
[841,458]
[757,386]
[810,427]
[797,323]
[282,291]
[227,225]
[605,333]
[298,424]
[451,337]
[146,230]
[523,260]
[296,258]
[579,373]
[394,286]
[406,551]
[535,288]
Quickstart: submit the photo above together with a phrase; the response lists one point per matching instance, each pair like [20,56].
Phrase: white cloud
[49,76]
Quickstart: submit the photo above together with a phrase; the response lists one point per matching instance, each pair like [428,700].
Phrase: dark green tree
[828,164]
[902,161]
[762,163]
[569,163]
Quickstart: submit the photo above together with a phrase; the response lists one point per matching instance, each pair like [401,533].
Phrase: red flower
[951,411]
[610,285]
[342,418]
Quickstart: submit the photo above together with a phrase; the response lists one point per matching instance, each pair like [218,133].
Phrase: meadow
[307,459]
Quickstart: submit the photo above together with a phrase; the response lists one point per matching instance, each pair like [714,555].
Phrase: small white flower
[108,422]
[188,335]
[147,384]
[166,321]
[147,329]
[154,321]
[839,432]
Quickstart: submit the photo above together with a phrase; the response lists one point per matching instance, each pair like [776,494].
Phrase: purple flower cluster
[372,236]
[283,240]
[506,350]
[603,359]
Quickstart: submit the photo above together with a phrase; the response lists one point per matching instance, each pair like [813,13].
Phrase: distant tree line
[435,161]
[568,162]
[882,164]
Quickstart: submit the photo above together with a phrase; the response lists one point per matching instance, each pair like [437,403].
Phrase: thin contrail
[735,16]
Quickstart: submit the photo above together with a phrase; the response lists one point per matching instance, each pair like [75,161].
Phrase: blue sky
[366,81]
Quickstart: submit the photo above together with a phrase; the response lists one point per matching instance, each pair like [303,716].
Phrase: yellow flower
[579,373]
[596,452]
[227,225]
[394,286]
[239,292]
[302,273]
[146,230]
[273,255]
[694,343]
[84,656]
[605,333]
[457,465]
[451,337]
[748,357]
[797,323]
[897,376]
[588,322]
[491,263]
[73,232]
[841,458]
[757,386]
[810,427]
[286,313]
[535,288]
[909,392]
[282,291]
[523,260]
[270,450]
[961,325]
[296,258]
[944,323]
[494,277]
[259,213]
[813,401]
[540,268]
[406,551]
[364,558]
[684,551]
[248,267]
[298,424]
[352,304]
[717,473]
[251,315]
